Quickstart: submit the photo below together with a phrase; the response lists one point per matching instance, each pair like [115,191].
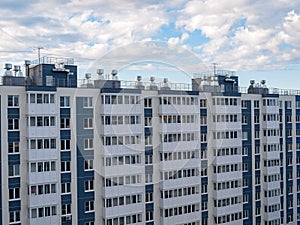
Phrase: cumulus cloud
[242,34]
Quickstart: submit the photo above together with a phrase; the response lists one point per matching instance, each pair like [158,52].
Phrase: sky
[175,39]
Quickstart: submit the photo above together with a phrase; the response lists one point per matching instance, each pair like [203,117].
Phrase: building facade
[146,153]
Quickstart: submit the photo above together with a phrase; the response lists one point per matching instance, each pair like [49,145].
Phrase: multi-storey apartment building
[103,152]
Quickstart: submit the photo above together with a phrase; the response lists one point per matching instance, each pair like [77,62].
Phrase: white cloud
[242,34]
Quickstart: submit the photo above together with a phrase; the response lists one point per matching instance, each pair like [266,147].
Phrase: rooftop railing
[53,60]
[215,73]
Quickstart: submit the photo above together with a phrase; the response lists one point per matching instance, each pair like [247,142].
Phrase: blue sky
[258,39]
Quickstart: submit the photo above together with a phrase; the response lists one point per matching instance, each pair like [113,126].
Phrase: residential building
[109,152]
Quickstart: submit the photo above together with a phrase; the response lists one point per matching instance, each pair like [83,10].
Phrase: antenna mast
[214,64]
[39,53]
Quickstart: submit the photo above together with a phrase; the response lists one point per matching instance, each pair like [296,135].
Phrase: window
[147,102]
[39,98]
[65,188]
[148,159]
[13,147]
[148,178]
[87,102]
[41,121]
[90,223]
[64,123]
[65,166]
[43,211]
[88,143]
[245,135]
[148,122]
[65,145]
[203,120]
[244,104]
[14,193]
[14,216]
[244,119]
[88,123]
[88,185]
[149,216]
[64,101]
[148,140]
[256,119]
[66,209]
[13,170]
[12,100]
[202,103]
[42,189]
[88,164]
[89,206]
[288,104]
[13,124]
[149,197]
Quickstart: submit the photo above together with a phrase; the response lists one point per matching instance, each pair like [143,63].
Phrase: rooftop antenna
[215,65]
[39,53]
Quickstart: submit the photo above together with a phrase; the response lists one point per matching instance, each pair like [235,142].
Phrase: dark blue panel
[83,175]
[149,207]
[148,148]
[66,199]
[66,222]
[204,198]
[14,159]
[148,131]
[203,129]
[65,177]
[61,78]
[203,146]
[297,97]
[13,136]
[258,219]
[13,113]
[256,127]
[177,92]
[149,169]
[87,154]
[257,204]
[247,207]
[40,88]
[65,155]
[65,112]
[203,112]
[147,112]
[14,182]
[120,90]
[204,180]
[149,188]
[205,215]
[65,134]
[148,151]
[150,223]
[15,205]
[270,95]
